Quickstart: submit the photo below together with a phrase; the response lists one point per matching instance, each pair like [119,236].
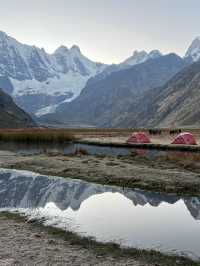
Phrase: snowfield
[71,82]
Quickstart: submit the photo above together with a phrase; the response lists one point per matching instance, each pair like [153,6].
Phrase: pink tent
[138,137]
[185,139]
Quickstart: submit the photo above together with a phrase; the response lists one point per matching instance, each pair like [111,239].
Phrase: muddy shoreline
[41,245]
[25,243]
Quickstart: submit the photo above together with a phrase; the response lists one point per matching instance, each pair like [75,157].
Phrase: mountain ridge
[173,105]
[104,102]
[33,72]
[41,81]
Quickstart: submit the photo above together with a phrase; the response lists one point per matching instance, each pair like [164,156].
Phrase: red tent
[185,139]
[138,137]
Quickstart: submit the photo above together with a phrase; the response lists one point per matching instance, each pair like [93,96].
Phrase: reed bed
[36,136]
[69,134]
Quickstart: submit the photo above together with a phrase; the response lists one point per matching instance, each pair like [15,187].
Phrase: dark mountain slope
[107,101]
[175,104]
[11,116]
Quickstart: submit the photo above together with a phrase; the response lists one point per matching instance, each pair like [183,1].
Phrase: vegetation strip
[36,136]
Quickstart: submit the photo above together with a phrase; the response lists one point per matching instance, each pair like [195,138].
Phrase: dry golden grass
[63,135]
[36,135]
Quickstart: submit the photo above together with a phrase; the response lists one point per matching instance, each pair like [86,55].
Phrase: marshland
[99,169]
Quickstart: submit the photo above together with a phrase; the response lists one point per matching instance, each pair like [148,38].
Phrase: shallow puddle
[132,218]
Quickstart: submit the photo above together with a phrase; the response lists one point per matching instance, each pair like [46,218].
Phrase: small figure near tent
[185,138]
[138,138]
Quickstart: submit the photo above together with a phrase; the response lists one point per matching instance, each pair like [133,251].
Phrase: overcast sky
[105,30]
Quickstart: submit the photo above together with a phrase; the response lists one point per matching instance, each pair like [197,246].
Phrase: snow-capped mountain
[139,57]
[193,52]
[42,80]
[39,82]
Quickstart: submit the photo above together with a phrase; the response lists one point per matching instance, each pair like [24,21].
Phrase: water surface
[74,148]
[132,218]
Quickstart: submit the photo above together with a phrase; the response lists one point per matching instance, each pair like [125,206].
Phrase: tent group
[185,138]
[139,138]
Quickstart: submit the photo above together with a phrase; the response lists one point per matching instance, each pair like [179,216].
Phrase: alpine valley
[67,87]
[145,94]
[39,81]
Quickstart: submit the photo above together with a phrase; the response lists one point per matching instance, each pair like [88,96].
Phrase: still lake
[133,218]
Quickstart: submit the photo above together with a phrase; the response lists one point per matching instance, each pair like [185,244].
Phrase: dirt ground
[164,139]
[162,174]
[24,244]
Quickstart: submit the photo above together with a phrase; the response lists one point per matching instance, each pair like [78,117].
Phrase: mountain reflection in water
[140,218]
[23,189]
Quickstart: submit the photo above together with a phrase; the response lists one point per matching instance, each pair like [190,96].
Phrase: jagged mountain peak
[75,49]
[155,53]
[197,38]
[3,34]
[61,50]
[40,79]
[141,56]
[136,53]
[12,41]
[5,38]
[193,51]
